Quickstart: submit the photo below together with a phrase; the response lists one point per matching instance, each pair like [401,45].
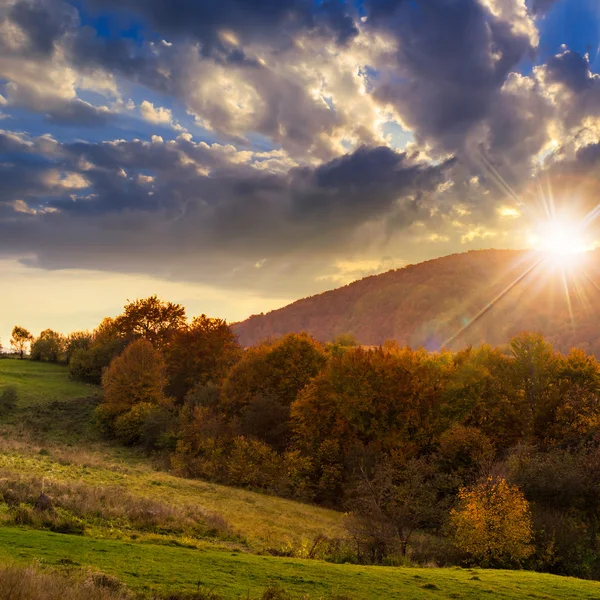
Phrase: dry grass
[107,506]
[30,584]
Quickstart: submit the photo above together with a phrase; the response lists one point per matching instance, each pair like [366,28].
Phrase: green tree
[48,347]
[20,339]
[390,504]
[535,368]
[78,340]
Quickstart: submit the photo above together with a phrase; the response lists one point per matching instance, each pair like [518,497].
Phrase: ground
[50,440]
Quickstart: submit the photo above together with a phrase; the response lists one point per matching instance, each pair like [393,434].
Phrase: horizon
[189,297]
[235,158]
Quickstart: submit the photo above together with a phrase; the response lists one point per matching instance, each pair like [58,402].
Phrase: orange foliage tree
[136,376]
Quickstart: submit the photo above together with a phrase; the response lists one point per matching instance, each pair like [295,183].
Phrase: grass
[30,447]
[47,442]
[152,568]
[41,383]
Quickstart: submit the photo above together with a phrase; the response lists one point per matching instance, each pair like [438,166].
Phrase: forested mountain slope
[429,303]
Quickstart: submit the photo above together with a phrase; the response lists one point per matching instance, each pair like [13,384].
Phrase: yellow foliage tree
[492,524]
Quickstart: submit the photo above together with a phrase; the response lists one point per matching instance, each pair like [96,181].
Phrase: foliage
[492,523]
[78,340]
[136,376]
[200,353]
[50,346]
[8,399]
[20,339]
[151,319]
[390,504]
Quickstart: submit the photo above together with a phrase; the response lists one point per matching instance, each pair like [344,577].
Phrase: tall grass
[29,583]
[107,506]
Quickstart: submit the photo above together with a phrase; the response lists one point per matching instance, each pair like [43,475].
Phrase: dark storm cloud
[571,69]
[452,58]
[252,20]
[43,23]
[182,217]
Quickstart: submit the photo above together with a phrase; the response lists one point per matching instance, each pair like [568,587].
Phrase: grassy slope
[160,568]
[40,383]
[46,395]
[265,521]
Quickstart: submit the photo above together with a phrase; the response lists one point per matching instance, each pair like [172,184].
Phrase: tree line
[485,455]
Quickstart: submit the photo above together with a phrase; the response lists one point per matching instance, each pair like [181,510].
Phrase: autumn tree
[492,524]
[137,376]
[482,393]
[151,319]
[20,339]
[200,353]
[48,347]
[535,367]
[265,382]
[389,504]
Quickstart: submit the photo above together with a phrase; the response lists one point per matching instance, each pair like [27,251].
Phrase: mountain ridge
[452,301]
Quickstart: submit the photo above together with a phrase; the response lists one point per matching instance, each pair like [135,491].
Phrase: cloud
[212,210]
[158,115]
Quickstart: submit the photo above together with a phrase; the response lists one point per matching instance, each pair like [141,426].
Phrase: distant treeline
[492,455]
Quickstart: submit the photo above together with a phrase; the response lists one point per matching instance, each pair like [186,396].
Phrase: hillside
[121,519]
[428,304]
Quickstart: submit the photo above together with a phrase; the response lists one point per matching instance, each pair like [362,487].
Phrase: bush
[8,399]
[128,426]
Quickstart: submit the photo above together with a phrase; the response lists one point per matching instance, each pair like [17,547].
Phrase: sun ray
[491,304]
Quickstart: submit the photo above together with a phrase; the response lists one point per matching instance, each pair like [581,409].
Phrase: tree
[20,339]
[136,376]
[390,504]
[200,353]
[535,368]
[88,364]
[151,319]
[48,347]
[78,340]
[492,524]
[261,387]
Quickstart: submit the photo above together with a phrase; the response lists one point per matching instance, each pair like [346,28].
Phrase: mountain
[454,301]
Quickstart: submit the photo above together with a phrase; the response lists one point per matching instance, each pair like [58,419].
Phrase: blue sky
[241,154]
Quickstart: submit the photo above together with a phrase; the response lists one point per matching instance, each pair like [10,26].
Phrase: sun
[561,240]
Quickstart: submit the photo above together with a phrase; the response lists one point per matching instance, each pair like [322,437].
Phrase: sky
[234,156]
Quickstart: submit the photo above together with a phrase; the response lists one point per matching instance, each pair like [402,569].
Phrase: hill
[455,301]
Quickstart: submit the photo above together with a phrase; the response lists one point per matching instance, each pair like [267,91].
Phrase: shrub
[128,426]
[8,399]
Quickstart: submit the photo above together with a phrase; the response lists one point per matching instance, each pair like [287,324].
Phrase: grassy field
[49,441]
[41,383]
[236,575]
